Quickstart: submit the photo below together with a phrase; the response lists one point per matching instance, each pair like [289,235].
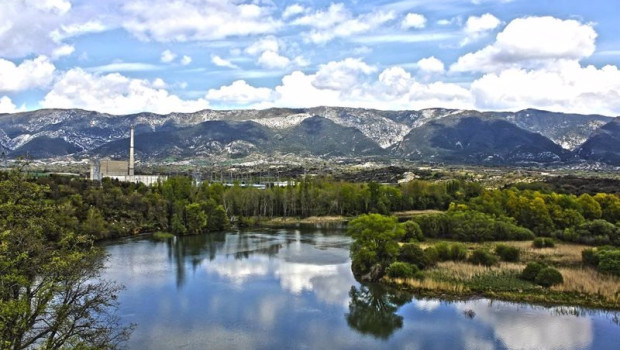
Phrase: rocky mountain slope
[442,135]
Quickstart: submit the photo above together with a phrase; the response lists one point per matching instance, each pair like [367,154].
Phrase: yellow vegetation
[589,281]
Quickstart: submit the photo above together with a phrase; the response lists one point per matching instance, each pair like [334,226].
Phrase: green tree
[195,218]
[376,243]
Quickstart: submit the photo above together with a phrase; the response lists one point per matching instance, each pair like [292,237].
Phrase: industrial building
[121,170]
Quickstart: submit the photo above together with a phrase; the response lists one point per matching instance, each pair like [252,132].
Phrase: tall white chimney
[131,161]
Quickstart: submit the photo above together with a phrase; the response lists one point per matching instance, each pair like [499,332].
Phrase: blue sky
[127,56]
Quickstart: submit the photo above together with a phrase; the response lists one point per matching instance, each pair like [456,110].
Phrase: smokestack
[131,152]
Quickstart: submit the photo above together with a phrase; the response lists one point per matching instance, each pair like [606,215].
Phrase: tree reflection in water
[372,310]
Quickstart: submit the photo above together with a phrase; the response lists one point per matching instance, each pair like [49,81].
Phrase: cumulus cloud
[478,26]
[220,62]
[196,20]
[239,92]
[20,36]
[293,10]
[35,73]
[431,65]
[168,56]
[531,41]
[338,22]
[6,105]
[350,82]
[273,60]
[566,87]
[342,74]
[413,20]
[185,60]
[267,50]
[116,94]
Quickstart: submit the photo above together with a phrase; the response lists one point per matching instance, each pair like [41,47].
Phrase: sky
[162,56]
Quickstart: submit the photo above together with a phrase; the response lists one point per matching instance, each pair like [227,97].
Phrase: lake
[293,289]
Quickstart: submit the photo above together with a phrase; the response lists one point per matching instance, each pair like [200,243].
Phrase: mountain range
[435,135]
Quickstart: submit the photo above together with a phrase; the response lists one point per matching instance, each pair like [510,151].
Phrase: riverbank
[582,286]
[318,220]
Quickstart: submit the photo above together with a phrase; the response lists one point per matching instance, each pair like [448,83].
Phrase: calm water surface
[292,289]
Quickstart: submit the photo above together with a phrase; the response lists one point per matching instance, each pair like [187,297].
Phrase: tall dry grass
[431,284]
[589,281]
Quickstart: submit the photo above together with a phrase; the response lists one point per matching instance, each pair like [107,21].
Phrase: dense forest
[473,213]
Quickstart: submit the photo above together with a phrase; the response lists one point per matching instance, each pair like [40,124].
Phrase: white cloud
[64,50]
[342,74]
[338,22]
[413,20]
[239,92]
[476,27]
[268,43]
[168,56]
[25,26]
[116,94]
[6,105]
[220,62]
[273,60]
[124,67]
[77,29]
[350,83]
[530,42]
[185,60]
[431,65]
[30,74]
[565,87]
[293,10]
[196,20]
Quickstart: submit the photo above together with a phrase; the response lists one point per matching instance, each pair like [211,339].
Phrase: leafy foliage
[548,277]
[399,269]
[376,242]
[483,257]
[508,253]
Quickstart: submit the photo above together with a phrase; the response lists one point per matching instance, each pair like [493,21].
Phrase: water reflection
[372,310]
[291,289]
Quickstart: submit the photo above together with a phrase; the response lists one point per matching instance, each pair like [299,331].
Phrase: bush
[609,261]
[589,257]
[413,232]
[531,271]
[548,277]
[451,252]
[483,257]
[399,269]
[508,253]
[431,255]
[443,251]
[543,242]
[458,252]
[412,253]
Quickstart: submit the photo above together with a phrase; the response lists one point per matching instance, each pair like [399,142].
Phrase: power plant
[121,170]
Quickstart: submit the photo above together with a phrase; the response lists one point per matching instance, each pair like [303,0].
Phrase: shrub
[399,269]
[531,271]
[548,277]
[413,232]
[443,251]
[609,261]
[508,253]
[412,253]
[543,242]
[483,257]
[458,252]
[589,257]
[431,255]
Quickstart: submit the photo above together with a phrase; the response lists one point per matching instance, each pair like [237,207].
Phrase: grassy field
[582,286]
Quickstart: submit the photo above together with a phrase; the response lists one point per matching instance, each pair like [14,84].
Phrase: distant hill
[438,134]
[603,145]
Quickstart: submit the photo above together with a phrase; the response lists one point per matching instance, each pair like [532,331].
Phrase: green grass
[162,236]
